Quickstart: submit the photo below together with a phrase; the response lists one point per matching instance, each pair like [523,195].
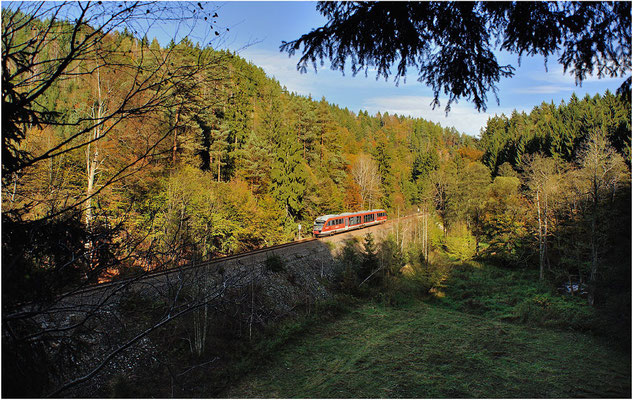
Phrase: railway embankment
[92,336]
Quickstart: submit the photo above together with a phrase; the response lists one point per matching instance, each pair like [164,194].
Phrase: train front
[318,226]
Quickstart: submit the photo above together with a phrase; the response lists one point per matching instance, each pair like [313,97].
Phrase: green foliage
[506,170]
[428,276]
[556,311]
[369,263]
[556,131]
[423,164]
[391,258]
[516,295]
[460,247]
[349,265]
[288,176]
[233,161]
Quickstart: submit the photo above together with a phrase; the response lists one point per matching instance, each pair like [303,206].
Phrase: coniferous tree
[288,176]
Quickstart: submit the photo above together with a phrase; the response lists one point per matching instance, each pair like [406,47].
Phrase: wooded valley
[121,156]
[154,152]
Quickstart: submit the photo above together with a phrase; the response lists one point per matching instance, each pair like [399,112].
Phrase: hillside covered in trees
[154,154]
[122,156]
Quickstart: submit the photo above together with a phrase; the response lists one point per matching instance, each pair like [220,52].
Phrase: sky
[257,29]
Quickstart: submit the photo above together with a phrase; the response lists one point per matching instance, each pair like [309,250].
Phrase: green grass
[518,295]
[490,291]
[486,332]
[425,350]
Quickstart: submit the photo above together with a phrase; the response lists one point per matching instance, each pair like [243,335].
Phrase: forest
[236,162]
[130,156]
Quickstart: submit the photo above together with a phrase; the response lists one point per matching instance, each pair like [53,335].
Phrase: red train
[331,224]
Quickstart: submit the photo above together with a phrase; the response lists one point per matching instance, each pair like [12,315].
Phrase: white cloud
[463,116]
[542,89]
[555,75]
[360,92]
[282,68]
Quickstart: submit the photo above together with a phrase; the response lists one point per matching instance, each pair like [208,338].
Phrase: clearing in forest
[423,350]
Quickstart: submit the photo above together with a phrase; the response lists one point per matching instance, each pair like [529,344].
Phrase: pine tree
[288,176]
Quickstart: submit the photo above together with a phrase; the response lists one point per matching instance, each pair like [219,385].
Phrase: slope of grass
[425,350]
[518,295]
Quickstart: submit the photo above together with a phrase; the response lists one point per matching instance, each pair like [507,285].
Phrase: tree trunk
[541,258]
[545,246]
[321,149]
[174,147]
[594,245]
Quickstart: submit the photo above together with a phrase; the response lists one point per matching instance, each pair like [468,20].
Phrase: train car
[326,225]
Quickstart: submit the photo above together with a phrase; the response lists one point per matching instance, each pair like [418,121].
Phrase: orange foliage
[470,153]
[353,200]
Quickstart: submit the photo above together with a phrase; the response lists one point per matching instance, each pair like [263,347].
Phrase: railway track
[192,266]
[189,267]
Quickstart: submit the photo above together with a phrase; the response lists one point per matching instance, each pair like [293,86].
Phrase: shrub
[391,256]
[348,263]
[428,275]
[460,247]
[400,292]
[556,311]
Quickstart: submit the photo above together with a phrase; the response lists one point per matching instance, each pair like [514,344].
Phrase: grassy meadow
[486,332]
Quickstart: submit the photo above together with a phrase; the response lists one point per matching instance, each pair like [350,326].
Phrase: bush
[556,311]
[391,256]
[427,275]
[348,263]
[460,247]
[400,292]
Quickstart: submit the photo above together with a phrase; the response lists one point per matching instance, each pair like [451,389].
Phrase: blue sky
[256,30]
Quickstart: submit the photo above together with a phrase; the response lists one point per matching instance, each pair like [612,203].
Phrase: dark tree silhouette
[452,43]
[49,258]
